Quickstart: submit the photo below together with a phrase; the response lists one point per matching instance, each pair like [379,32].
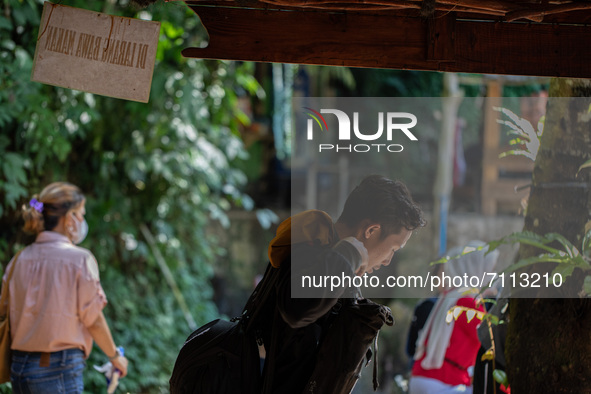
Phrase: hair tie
[36,205]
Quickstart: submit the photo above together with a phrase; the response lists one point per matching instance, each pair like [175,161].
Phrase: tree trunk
[549,340]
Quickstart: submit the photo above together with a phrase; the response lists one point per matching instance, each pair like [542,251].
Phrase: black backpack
[352,329]
[213,360]
[222,356]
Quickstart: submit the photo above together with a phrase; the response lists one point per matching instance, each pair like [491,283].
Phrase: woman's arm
[101,334]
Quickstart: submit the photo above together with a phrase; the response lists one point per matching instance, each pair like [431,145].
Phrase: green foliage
[527,139]
[396,83]
[586,164]
[167,164]
[565,255]
[524,89]
[500,377]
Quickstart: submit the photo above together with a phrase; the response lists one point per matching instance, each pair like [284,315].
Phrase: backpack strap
[257,299]
[376,384]
[269,369]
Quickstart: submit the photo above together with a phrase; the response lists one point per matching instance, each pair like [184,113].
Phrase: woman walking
[55,298]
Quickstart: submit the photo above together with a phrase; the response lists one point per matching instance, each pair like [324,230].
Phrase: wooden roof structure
[538,37]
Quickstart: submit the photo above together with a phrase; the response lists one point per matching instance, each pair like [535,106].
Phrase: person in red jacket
[446,349]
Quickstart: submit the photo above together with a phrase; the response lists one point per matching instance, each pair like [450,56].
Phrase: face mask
[81,230]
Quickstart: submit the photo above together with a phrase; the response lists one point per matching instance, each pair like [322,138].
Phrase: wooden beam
[384,40]
[309,37]
[442,39]
[572,12]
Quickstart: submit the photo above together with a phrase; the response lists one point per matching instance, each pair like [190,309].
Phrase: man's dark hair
[383,201]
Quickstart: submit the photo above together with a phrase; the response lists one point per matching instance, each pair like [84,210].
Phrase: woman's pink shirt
[55,294]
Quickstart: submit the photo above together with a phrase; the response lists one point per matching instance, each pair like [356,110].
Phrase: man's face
[381,250]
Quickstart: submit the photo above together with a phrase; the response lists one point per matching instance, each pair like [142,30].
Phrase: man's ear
[371,230]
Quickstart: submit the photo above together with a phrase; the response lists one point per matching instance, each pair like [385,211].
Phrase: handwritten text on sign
[95,52]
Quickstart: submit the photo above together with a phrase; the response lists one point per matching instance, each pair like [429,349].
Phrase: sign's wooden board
[95,52]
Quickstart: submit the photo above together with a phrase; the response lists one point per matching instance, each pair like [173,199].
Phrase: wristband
[117,354]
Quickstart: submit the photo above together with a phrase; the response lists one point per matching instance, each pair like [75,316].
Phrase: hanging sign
[95,52]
